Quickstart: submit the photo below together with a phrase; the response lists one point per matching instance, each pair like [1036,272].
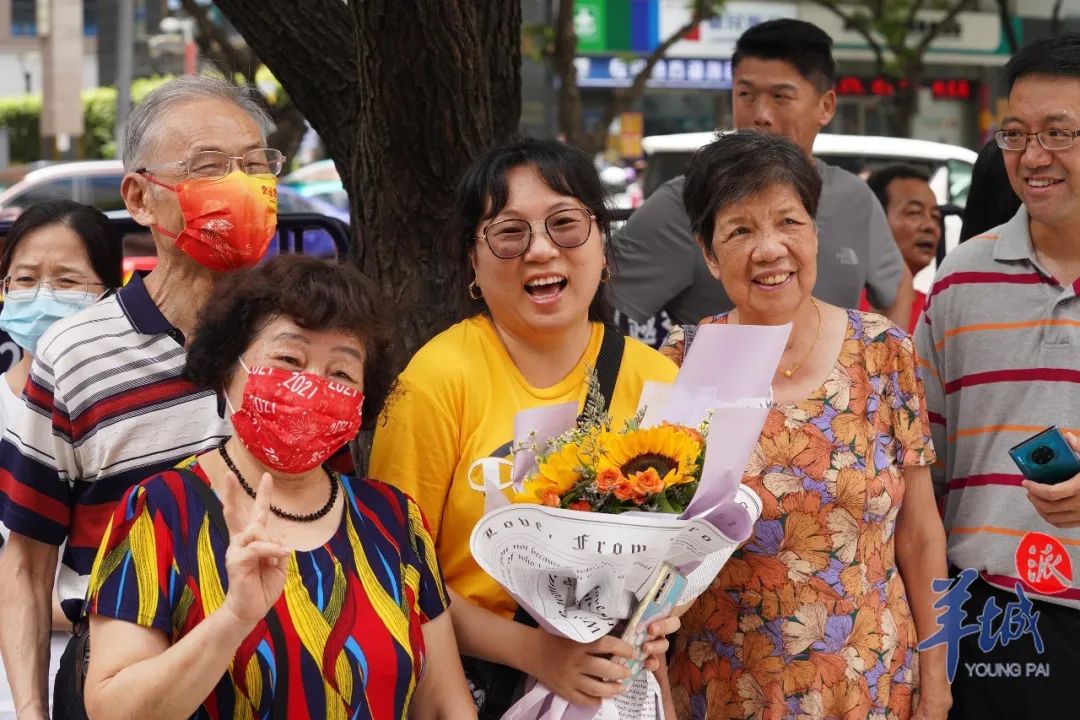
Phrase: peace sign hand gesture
[255,562]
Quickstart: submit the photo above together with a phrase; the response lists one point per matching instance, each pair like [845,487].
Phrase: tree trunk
[405,94]
[230,60]
[1005,18]
[308,45]
[430,100]
[905,101]
[571,123]
[289,129]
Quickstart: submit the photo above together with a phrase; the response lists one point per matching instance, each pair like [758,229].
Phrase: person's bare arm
[135,673]
[900,311]
[920,555]
[27,573]
[443,693]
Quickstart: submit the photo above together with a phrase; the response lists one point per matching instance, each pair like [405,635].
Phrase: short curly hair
[316,295]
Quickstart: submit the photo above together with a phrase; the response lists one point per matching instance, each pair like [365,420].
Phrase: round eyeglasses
[1017,140]
[29,284]
[214,164]
[509,239]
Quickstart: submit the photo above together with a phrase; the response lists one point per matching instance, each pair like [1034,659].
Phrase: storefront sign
[639,26]
[685,73]
[590,25]
[715,38]
[951,89]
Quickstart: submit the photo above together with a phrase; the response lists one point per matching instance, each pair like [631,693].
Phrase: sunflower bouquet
[597,512]
[592,468]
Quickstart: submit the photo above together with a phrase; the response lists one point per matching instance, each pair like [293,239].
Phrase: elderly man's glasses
[213,164]
[22,283]
[509,239]
[1017,140]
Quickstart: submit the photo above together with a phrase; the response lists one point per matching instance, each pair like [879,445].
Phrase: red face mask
[228,221]
[294,421]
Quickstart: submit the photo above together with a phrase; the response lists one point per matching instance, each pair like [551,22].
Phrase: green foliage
[99,119]
[21,116]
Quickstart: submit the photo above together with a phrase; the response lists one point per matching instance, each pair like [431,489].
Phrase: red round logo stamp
[1043,565]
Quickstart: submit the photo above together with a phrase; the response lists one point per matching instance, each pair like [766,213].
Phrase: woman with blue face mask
[58,258]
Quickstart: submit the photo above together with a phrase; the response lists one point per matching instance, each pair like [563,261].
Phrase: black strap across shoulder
[608,362]
[216,513]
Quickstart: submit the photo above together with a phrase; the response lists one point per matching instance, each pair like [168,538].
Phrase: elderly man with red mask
[107,406]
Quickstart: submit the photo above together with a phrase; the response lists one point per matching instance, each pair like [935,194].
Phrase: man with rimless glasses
[1001,341]
[106,403]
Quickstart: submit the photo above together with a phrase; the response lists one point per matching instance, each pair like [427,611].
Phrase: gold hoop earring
[605,274]
[474,291]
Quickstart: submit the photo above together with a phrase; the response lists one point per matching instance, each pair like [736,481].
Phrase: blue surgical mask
[27,314]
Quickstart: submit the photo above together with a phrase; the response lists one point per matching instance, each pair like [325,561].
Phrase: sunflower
[668,449]
[558,472]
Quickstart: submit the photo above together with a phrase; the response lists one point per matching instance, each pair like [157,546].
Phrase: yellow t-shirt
[456,404]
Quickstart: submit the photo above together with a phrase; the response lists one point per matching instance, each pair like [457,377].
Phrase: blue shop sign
[681,73]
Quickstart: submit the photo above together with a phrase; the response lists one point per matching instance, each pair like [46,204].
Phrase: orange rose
[580,505]
[608,478]
[648,481]
[548,497]
[627,490]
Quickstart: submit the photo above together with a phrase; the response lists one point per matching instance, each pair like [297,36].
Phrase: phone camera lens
[1042,455]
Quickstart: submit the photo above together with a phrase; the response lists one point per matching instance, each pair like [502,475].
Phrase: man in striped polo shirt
[107,406]
[1000,339]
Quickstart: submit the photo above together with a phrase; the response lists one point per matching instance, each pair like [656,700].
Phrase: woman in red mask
[312,594]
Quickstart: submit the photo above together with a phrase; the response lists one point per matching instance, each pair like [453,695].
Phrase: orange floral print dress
[809,620]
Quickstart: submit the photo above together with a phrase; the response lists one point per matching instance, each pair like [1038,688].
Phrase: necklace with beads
[284,514]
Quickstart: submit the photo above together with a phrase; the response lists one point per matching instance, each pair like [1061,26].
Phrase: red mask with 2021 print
[294,421]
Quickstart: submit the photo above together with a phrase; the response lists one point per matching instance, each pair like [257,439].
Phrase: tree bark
[289,125]
[405,94]
[597,140]
[905,100]
[570,116]
[1007,27]
[1055,17]
[500,27]
[309,46]
[571,123]
[434,92]
[908,61]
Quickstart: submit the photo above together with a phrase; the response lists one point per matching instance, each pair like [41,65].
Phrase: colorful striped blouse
[351,612]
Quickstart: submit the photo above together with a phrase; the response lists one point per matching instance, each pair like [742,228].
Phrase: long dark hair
[482,194]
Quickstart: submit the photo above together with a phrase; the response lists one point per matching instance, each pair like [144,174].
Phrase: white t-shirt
[10,403]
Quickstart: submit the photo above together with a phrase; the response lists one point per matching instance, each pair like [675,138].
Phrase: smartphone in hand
[1046,458]
[657,604]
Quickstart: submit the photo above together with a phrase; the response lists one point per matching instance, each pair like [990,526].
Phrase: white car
[91,182]
[948,167]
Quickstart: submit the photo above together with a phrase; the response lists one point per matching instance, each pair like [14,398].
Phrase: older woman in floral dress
[820,614]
